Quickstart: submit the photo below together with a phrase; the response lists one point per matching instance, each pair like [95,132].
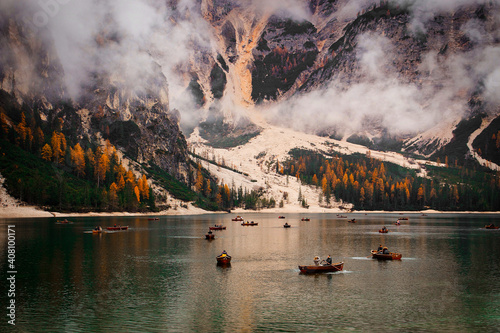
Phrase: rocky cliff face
[371,72]
[433,67]
[137,121]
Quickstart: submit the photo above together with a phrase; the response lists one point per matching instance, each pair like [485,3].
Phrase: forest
[43,167]
[369,183]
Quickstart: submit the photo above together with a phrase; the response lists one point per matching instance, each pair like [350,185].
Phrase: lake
[161,275]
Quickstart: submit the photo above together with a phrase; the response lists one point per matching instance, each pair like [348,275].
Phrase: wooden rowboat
[237,218]
[223,259]
[305,219]
[153,219]
[316,269]
[209,236]
[352,221]
[383,231]
[491,226]
[125,227]
[286,225]
[217,227]
[281,217]
[250,223]
[388,256]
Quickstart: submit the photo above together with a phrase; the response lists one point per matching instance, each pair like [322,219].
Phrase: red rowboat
[118,228]
[250,223]
[237,218]
[314,269]
[491,226]
[217,227]
[223,259]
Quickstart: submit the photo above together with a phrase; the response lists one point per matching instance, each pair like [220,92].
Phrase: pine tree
[362,196]
[421,194]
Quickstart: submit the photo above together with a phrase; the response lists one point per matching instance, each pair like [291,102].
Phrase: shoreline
[35,212]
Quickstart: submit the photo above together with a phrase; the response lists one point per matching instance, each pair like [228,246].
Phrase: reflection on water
[162,275]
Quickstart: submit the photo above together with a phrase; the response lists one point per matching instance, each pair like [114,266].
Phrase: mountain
[152,78]
[379,76]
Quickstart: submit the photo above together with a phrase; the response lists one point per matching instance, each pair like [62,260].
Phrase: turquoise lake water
[161,276]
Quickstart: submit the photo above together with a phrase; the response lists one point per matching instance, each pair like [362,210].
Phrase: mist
[138,43]
[381,99]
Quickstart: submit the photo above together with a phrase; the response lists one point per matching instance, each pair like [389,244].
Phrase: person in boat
[317,260]
[385,250]
[98,228]
[223,254]
[328,260]
[380,248]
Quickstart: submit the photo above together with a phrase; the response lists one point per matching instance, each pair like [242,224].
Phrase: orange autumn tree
[102,166]
[143,187]
[78,159]
[58,145]
[47,153]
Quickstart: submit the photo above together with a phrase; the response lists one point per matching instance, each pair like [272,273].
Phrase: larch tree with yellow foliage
[143,187]
[47,153]
[78,159]
[58,144]
[102,168]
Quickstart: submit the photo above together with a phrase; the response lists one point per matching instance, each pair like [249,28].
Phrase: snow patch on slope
[436,137]
[255,160]
[486,122]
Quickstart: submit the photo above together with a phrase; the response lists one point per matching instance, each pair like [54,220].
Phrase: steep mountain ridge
[138,122]
[440,67]
[374,75]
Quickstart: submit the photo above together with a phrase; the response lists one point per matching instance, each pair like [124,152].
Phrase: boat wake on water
[361,258]
[339,272]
